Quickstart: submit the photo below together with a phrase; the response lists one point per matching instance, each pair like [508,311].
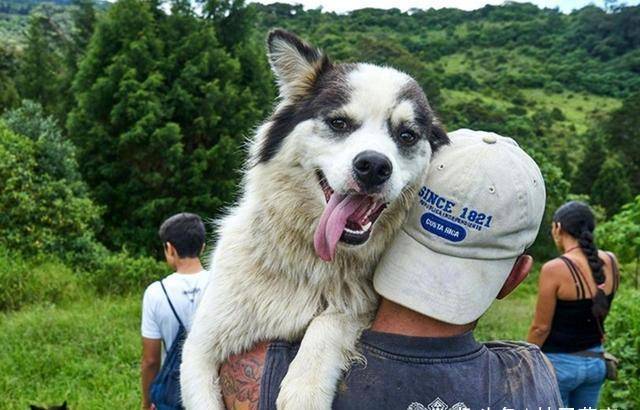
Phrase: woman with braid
[575,295]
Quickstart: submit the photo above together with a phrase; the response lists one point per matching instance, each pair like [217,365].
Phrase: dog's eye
[408,137]
[339,124]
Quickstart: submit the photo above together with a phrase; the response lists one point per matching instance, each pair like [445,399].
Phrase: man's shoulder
[531,365]
[154,290]
[517,350]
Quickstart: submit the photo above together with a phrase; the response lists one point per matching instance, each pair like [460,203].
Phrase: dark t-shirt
[416,373]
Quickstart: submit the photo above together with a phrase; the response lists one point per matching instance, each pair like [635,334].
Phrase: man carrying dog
[477,211]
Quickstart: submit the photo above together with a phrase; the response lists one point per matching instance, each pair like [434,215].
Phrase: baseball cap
[478,207]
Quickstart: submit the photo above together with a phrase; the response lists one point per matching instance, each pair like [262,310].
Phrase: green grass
[510,318]
[85,352]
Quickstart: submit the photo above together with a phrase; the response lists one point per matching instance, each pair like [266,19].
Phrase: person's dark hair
[577,219]
[185,232]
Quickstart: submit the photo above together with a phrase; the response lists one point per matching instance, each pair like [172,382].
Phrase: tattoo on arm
[240,379]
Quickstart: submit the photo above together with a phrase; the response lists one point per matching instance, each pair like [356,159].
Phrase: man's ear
[295,63]
[518,273]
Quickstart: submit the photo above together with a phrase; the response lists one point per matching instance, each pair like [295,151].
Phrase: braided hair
[577,219]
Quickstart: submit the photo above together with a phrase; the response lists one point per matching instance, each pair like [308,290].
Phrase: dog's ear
[64,406]
[295,63]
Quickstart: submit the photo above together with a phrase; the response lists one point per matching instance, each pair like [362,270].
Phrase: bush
[41,213]
[121,273]
[621,234]
[623,340]
[40,281]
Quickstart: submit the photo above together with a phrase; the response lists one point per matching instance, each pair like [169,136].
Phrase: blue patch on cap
[443,228]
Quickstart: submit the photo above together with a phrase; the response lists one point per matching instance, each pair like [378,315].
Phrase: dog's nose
[371,169]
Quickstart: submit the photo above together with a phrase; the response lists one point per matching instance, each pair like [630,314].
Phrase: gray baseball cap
[477,209]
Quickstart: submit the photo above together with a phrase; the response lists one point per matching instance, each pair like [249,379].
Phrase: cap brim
[447,288]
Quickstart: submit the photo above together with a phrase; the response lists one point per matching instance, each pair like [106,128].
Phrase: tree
[162,109]
[557,188]
[41,212]
[595,154]
[611,189]
[623,134]
[8,91]
[41,66]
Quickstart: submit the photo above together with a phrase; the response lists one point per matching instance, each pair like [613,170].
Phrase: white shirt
[185,292]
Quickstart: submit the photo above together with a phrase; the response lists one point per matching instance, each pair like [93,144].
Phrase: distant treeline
[125,114]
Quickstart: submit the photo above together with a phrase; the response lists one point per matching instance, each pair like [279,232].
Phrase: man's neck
[188,266]
[395,318]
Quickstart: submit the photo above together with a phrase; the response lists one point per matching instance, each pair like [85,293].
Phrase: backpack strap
[615,271]
[171,304]
[577,278]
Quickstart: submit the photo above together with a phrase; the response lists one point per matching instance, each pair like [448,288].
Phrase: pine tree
[8,90]
[162,110]
[41,64]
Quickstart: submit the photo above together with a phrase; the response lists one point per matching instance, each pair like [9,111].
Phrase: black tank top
[574,328]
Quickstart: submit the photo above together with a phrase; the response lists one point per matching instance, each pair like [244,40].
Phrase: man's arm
[149,366]
[240,379]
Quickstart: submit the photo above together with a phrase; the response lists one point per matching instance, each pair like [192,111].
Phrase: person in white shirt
[183,239]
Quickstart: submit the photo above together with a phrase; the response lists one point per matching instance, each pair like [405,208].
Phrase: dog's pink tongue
[332,223]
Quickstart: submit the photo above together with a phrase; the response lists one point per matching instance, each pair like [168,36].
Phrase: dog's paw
[306,392]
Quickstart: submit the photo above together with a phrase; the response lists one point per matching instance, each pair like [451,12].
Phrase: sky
[346,5]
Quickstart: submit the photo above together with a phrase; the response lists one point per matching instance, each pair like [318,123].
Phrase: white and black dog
[326,187]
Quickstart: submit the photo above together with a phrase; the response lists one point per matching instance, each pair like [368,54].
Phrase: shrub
[121,273]
[623,340]
[621,234]
[41,212]
[39,281]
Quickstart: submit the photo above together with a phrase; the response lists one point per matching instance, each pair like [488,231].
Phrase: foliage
[621,234]
[40,210]
[8,90]
[623,341]
[120,273]
[557,190]
[611,188]
[623,135]
[23,283]
[162,109]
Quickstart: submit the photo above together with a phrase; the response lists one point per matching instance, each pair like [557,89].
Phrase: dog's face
[364,132]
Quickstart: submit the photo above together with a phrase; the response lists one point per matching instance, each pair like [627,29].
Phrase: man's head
[479,208]
[182,236]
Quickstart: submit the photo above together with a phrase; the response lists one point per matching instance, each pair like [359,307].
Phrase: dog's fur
[267,281]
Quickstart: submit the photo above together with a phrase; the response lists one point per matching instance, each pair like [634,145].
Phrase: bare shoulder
[552,268]
[606,256]
[240,378]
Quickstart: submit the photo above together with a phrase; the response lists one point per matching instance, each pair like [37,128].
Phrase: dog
[326,186]
[63,406]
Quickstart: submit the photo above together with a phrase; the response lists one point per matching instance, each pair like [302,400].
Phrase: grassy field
[86,351]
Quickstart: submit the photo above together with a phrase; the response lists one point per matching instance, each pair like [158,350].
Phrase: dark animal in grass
[63,406]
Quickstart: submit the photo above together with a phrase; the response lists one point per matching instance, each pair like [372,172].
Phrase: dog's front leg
[327,349]
[221,327]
